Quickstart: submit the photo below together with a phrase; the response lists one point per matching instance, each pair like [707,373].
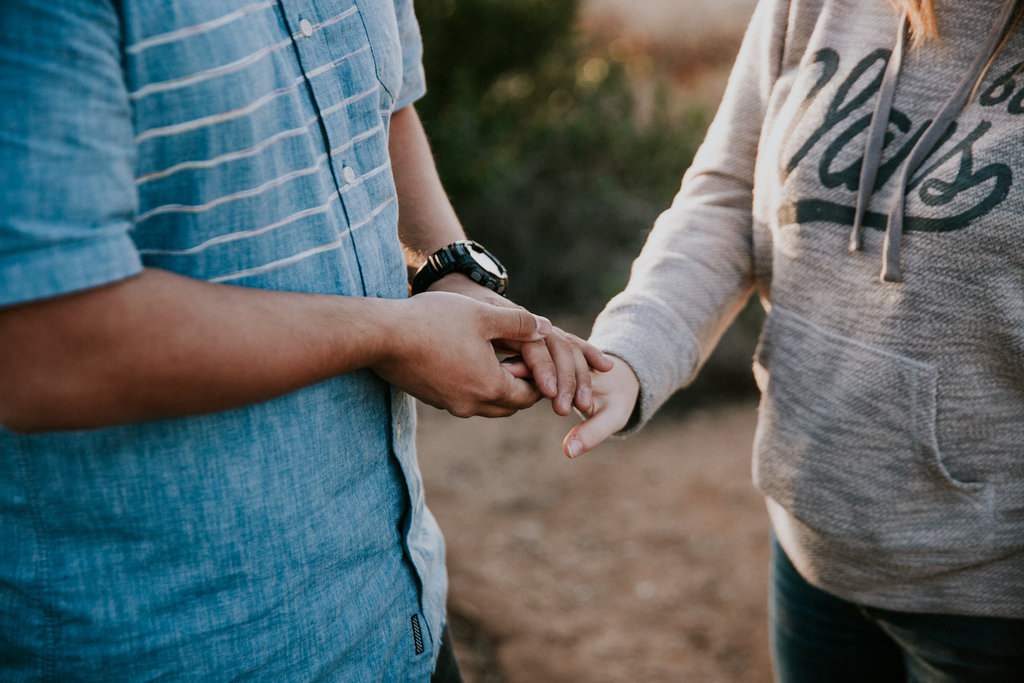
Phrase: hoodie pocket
[846,443]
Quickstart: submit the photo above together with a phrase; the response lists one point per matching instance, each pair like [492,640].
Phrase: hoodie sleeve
[696,270]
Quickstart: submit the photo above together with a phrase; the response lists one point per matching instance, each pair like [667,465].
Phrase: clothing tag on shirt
[417,634]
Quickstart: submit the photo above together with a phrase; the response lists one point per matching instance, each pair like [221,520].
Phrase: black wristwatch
[466,257]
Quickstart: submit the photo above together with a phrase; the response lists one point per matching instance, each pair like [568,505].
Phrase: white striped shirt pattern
[262,144]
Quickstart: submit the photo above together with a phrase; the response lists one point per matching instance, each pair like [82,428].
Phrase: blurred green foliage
[535,133]
[548,159]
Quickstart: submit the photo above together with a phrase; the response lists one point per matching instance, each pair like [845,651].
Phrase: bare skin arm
[559,364]
[162,345]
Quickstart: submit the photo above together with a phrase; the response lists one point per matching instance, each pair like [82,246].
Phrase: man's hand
[560,364]
[615,396]
[443,353]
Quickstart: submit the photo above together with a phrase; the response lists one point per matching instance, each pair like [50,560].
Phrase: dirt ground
[644,560]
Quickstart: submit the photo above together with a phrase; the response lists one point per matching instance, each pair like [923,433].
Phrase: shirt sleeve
[66,150]
[696,269]
[414,84]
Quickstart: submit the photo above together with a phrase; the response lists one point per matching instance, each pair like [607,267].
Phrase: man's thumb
[519,324]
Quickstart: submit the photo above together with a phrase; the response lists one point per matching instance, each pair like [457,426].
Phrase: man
[206,349]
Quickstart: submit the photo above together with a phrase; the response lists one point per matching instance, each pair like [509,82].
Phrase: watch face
[485,261]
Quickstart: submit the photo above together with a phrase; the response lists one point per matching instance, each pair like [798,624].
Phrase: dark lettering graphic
[850,175]
[842,132]
[838,110]
[939,192]
[1003,88]
[892,165]
[829,61]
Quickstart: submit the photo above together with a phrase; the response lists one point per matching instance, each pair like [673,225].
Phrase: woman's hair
[921,15]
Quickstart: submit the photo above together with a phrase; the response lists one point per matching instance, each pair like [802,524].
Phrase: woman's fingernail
[543,325]
[575,448]
[552,385]
[585,397]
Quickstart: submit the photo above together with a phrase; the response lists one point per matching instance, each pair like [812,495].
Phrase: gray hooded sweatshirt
[873,196]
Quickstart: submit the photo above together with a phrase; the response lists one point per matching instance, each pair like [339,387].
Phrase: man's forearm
[426,220]
[161,345]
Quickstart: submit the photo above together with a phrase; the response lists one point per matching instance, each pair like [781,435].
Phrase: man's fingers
[596,359]
[518,393]
[505,396]
[515,366]
[542,367]
[567,364]
[560,370]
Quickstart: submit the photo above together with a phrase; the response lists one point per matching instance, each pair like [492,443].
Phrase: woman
[862,175]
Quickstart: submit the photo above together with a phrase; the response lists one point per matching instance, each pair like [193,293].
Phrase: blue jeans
[819,637]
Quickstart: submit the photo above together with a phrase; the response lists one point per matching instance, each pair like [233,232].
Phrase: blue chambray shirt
[242,142]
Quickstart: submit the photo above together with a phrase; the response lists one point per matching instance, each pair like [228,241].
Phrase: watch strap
[458,257]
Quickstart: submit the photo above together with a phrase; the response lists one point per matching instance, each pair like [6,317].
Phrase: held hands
[441,350]
[449,362]
[559,364]
[569,371]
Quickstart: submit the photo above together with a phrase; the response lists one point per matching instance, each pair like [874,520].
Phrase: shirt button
[348,174]
[398,430]
[306,28]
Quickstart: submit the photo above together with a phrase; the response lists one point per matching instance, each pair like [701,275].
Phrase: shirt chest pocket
[381,26]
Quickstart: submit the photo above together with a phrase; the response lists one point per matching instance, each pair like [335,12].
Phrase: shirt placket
[317,58]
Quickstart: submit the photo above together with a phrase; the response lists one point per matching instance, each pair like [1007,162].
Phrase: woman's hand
[615,395]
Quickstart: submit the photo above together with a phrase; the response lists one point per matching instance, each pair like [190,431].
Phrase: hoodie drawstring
[933,133]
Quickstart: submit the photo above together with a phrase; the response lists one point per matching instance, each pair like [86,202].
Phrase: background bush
[543,150]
